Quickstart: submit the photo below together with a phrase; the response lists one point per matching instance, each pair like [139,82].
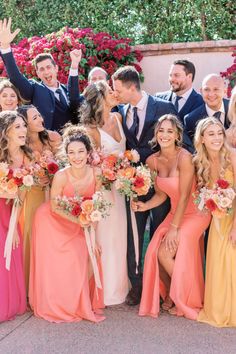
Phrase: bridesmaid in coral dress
[14,151]
[41,141]
[61,288]
[215,161]
[173,262]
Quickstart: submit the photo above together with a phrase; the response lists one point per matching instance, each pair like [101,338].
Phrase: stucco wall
[208,57]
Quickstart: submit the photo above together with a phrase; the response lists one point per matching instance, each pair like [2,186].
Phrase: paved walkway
[122,332]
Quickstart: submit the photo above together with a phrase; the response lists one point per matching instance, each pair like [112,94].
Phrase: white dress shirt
[183,98]
[141,111]
[210,112]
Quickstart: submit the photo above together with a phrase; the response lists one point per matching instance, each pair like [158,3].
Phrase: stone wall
[208,57]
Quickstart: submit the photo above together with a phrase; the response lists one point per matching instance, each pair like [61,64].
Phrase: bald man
[97,74]
[213,92]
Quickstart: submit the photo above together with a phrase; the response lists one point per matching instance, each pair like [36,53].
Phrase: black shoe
[134,296]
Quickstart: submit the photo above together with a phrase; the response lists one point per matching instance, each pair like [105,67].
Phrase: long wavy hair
[7,84]
[201,158]
[175,124]
[91,111]
[7,118]
[43,135]
[232,107]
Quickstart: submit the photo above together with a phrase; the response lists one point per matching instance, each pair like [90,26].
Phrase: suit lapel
[150,113]
[188,104]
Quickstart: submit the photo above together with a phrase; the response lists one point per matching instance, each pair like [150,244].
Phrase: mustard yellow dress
[33,199]
[220,288]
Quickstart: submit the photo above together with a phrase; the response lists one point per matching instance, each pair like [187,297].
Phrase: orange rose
[128,154]
[127,172]
[40,173]
[110,175]
[110,160]
[87,207]
[83,220]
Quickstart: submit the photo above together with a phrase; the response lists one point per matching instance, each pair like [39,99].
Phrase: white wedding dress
[112,233]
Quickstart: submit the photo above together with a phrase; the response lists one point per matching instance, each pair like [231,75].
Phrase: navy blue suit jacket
[155,109]
[40,96]
[194,100]
[191,119]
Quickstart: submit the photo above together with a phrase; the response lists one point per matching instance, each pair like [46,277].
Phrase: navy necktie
[62,99]
[177,102]
[135,126]
[217,115]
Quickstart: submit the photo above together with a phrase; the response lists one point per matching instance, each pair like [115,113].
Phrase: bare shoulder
[60,176]
[185,160]
[232,152]
[152,161]
[54,136]
[116,115]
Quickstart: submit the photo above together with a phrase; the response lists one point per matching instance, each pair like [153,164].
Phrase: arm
[58,184]
[158,198]
[6,37]
[73,80]
[55,140]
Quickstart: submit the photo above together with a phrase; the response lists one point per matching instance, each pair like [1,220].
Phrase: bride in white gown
[107,133]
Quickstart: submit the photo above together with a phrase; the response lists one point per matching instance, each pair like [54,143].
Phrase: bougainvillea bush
[99,49]
[230,74]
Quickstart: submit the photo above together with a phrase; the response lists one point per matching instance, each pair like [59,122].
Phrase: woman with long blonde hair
[214,161]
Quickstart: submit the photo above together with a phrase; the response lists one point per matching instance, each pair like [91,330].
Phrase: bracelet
[175,226]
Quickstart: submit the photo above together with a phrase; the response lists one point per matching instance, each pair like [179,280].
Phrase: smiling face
[17,132]
[213,137]
[77,154]
[166,134]
[213,91]
[179,81]
[97,75]
[47,72]
[8,99]
[35,120]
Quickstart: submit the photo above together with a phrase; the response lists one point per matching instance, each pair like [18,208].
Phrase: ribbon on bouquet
[90,241]
[135,237]
[10,234]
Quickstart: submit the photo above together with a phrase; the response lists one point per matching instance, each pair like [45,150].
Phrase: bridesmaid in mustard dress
[61,287]
[214,160]
[173,263]
[40,141]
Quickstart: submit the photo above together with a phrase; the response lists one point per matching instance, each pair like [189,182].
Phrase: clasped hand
[138,206]
[171,240]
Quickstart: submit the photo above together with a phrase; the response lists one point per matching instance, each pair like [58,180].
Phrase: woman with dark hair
[42,142]
[173,262]
[105,129]
[61,288]
[10,97]
[14,152]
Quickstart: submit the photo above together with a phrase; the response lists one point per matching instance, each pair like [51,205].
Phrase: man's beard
[180,87]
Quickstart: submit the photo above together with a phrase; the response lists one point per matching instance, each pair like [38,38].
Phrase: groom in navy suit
[181,94]
[139,116]
[56,102]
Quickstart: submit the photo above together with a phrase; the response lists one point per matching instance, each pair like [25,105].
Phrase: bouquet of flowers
[87,210]
[45,165]
[134,181]
[218,200]
[111,165]
[12,180]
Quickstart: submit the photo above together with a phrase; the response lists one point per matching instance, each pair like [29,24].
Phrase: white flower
[4,168]
[135,156]
[28,180]
[97,196]
[225,202]
[95,216]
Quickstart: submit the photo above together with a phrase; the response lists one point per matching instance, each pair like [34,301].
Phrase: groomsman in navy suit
[215,105]
[139,116]
[181,94]
[56,102]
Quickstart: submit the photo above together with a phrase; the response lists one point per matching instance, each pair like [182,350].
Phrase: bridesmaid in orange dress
[61,288]
[173,262]
[41,141]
